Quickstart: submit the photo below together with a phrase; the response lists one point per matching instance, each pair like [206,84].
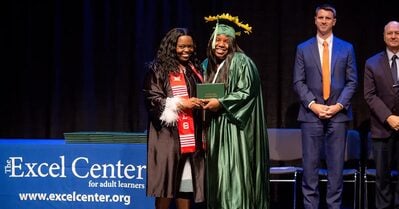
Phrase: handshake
[211,104]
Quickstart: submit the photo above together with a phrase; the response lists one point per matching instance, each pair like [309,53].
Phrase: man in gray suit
[381,92]
[325,79]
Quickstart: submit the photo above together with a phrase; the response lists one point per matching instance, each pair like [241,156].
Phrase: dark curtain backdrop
[78,65]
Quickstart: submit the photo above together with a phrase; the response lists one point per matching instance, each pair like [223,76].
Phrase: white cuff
[310,104]
[342,107]
[170,114]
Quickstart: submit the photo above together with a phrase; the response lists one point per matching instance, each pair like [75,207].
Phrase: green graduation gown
[237,151]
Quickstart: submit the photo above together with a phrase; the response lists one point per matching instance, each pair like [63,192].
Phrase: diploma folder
[210,90]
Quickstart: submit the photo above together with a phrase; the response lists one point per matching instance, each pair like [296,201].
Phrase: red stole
[185,122]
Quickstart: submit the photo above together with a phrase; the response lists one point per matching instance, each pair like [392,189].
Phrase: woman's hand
[191,103]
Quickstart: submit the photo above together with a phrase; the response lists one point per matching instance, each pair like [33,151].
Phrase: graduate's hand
[212,104]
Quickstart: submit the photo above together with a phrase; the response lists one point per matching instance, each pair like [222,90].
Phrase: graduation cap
[225,25]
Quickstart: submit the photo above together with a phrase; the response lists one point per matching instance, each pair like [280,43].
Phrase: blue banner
[50,174]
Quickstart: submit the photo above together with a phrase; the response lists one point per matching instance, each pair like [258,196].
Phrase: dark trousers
[386,157]
[333,137]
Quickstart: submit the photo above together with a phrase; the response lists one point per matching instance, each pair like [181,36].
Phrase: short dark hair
[327,7]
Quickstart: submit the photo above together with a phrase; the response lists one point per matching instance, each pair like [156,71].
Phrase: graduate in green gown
[237,144]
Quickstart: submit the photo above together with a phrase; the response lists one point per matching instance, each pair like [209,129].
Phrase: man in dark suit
[381,92]
[325,89]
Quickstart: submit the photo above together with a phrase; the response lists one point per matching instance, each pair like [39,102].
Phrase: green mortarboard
[225,29]
[222,29]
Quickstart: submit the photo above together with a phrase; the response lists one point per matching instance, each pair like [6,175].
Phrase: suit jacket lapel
[315,53]
[335,50]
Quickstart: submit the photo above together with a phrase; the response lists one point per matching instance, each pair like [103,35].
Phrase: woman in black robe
[175,168]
